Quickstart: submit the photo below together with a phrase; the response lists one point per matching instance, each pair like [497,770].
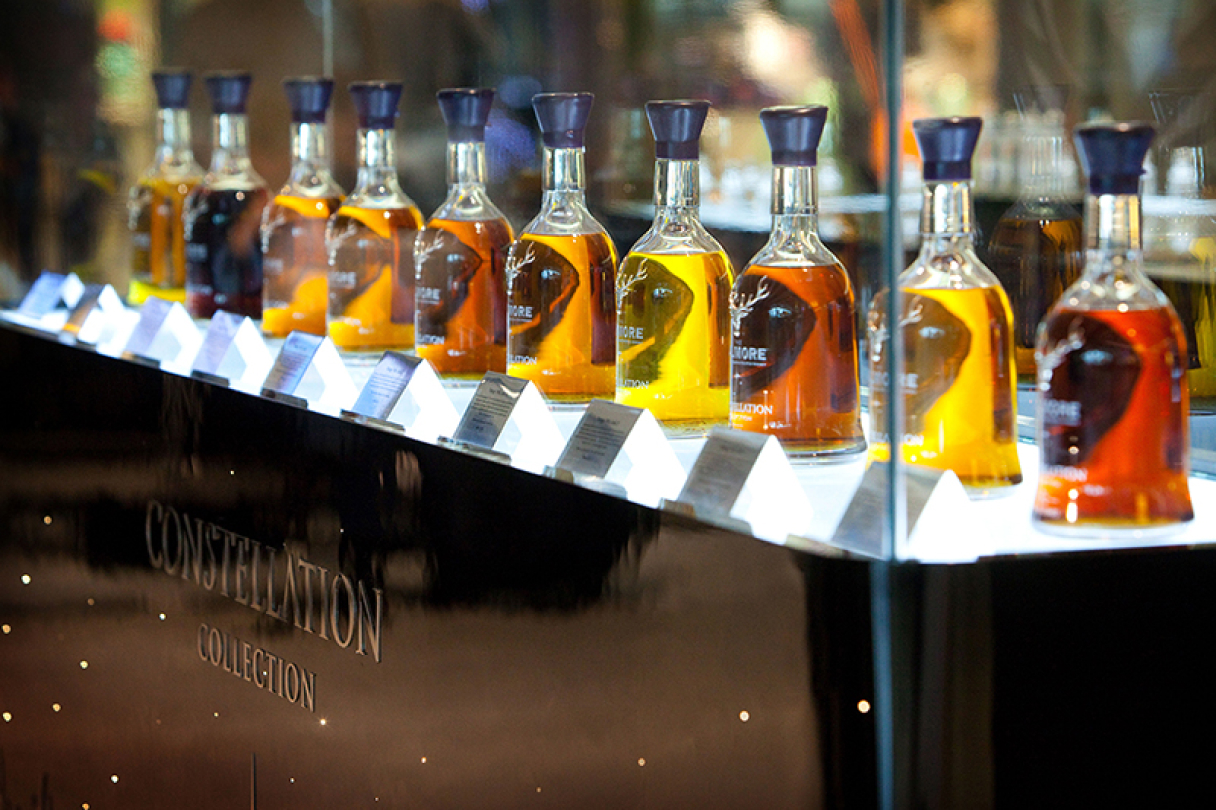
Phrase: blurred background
[77,108]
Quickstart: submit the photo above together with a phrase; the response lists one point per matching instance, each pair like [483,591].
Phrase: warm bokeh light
[114,778]
[744,716]
[25,579]
[55,707]
[84,664]
[641,762]
[863,706]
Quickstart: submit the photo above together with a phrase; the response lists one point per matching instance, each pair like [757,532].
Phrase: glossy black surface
[542,645]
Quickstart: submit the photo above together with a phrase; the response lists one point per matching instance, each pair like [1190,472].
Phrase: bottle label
[653,307]
[770,325]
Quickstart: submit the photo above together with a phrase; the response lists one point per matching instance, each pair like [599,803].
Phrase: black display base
[539,643]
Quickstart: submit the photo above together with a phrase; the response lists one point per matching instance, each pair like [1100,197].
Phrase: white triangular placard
[165,334]
[310,372]
[233,354]
[508,415]
[405,391]
[97,319]
[746,477]
[48,292]
[625,447]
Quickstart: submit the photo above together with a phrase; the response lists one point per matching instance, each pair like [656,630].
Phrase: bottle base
[991,491]
[1106,530]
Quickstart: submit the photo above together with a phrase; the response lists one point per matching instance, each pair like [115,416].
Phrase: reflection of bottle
[794,350]
[1111,355]
[158,265]
[561,274]
[673,312]
[1180,244]
[1035,250]
[460,257]
[223,214]
[371,238]
[958,379]
[294,260]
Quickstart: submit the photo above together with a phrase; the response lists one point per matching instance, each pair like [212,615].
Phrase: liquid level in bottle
[794,358]
[461,296]
[371,277]
[1113,429]
[673,337]
[1187,279]
[1035,258]
[224,251]
[562,315]
[295,265]
[958,386]
[158,240]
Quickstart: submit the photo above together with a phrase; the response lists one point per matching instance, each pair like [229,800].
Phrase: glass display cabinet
[847,436]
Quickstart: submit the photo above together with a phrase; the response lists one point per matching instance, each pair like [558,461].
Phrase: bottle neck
[947,212]
[1112,223]
[1184,177]
[230,134]
[309,148]
[1046,164]
[677,186]
[795,199]
[564,178]
[173,136]
[467,163]
[377,175]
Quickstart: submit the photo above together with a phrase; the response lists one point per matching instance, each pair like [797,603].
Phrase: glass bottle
[793,340]
[460,257]
[958,377]
[223,214]
[561,274]
[1112,427]
[295,262]
[1036,246]
[154,207]
[673,289]
[1179,239]
[371,238]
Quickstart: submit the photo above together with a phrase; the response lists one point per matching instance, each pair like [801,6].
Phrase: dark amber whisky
[1112,362]
[460,257]
[793,345]
[223,214]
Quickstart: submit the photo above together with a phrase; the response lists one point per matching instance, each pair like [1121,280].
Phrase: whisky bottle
[793,337]
[295,263]
[460,257]
[673,289]
[1112,427]
[371,238]
[1179,240]
[1036,246]
[958,379]
[561,274]
[223,214]
[154,207]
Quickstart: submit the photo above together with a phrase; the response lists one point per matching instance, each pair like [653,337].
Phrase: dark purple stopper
[794,133]
[677,128]
[946,146]
[562,118]
[376,103]
[172,88]
[229,91]
[309,98]
[465,111]
[1113,155]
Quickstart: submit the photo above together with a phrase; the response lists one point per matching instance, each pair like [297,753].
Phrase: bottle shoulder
[955,268]
[318,185]
[565,220]
[468,203]
[796,249]
[685,235]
